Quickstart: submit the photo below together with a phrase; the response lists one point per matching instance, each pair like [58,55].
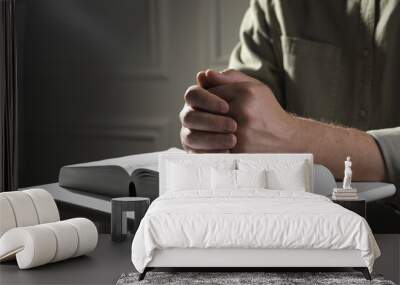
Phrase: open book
[133,175]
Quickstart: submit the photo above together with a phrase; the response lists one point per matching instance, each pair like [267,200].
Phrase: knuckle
[191,93]
[183,138]
[183,134]
[182,114]
[247,115]
[190,137]
[188,117]
[187,137]
[252,89]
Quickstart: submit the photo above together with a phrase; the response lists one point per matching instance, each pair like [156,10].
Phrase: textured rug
[232,278]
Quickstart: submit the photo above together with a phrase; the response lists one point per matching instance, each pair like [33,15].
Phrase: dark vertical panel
[8,97]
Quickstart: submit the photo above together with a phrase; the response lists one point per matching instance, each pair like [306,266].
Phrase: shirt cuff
[388,141]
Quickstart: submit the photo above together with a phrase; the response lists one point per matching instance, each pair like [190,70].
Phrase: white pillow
[281,174]
[293,179]
[181,177]
[227,179]
[223,179]
[251,178]
[186,174]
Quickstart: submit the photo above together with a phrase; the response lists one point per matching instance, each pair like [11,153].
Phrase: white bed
[201,226]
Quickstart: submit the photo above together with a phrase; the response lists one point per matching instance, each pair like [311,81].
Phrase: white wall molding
[216,55]
[213,12]
[158,15]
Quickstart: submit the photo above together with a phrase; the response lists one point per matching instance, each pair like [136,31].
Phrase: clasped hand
[232,112]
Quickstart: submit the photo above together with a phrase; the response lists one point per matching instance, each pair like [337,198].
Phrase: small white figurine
[347,174]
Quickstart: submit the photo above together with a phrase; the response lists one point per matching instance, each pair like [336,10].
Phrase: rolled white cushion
[33,246]
[87,235]
[7,218]
[23,208]
[40,244]
[67,240]
[46,208]
[26,208]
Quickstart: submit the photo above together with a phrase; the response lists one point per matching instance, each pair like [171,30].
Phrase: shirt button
[365,52]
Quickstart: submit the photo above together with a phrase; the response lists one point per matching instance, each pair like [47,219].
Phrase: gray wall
[105,78]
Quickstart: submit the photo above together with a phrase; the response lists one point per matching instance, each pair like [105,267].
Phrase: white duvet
[250,219]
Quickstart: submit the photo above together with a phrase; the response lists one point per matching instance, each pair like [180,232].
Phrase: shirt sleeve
[389,143]
[255,54]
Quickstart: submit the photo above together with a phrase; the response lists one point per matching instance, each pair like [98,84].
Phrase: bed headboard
[210,158]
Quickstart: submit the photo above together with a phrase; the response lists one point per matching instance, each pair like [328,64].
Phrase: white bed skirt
[236,257]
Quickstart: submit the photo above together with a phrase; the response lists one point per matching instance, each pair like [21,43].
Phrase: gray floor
[106,264]
[103,266]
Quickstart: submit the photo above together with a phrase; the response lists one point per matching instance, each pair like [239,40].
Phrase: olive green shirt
[331,60]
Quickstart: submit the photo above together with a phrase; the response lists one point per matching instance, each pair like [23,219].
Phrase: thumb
[215,78]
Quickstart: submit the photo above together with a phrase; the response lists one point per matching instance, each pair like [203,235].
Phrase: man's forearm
[331,145]
[257,123]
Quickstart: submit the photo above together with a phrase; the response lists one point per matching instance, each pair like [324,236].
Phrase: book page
[130,162]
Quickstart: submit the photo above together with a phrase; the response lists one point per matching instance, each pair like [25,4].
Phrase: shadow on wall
[104,78]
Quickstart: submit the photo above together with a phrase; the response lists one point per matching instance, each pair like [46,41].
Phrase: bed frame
[242,259]
[260,259]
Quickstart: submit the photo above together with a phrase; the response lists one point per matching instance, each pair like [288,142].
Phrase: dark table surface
[102,266]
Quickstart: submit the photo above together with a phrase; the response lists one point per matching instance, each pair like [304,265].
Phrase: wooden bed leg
[364,271]
[142,275]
